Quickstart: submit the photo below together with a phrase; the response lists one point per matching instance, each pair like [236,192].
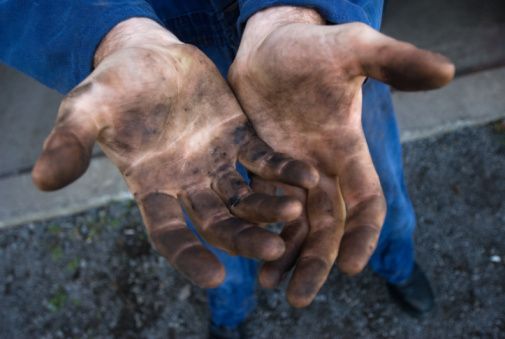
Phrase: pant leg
[231,302]
[393,258]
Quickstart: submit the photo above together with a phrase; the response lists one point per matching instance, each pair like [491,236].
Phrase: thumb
[402,65]
[66,152]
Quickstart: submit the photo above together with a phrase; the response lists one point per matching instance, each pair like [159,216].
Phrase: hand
[162,113]
[299,82]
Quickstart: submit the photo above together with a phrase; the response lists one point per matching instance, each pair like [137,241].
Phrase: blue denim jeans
[393,259]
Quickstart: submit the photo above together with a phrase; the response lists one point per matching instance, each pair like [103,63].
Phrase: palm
[158,135]
[301,88]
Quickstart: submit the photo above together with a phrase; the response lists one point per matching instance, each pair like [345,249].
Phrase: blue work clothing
[54,42]
[393,258]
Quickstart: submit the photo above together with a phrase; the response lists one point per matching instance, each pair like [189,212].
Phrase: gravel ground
[93,275]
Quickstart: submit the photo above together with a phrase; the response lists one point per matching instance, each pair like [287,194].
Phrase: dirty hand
[299,82]
[162,113]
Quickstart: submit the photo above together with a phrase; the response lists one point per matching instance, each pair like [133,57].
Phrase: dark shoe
[414,295]
[223,332]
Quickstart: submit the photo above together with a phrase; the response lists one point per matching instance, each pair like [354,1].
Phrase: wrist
[134,32]
[266,21]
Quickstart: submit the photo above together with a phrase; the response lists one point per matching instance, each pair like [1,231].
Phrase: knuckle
[66,109]
[276,161]
[359,27]
[361,33]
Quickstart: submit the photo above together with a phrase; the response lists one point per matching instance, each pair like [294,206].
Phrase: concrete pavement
[95,275]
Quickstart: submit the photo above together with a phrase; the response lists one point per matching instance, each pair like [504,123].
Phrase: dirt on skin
[94,275]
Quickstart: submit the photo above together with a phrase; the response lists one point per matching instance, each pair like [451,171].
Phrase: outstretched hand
[299,82]
[162,113]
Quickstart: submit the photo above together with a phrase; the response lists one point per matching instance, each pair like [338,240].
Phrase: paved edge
[21,202]
[470,100]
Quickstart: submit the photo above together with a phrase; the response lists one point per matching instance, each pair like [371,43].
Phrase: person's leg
[393,258]
[232,302]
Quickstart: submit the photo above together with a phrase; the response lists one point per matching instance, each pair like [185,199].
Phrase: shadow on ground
[94,274]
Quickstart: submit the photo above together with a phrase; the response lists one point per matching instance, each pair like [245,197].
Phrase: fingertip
[274,248]
[298,302]
[264,208]
[356,249]
[255,242]
[447,71]
[312,177]
[269,276]
[308,278]
[201,267]
[350,267]
[406,67]
[290,209]
[301,174]
[439,71]
[59,166]
[425,72]
[215,280]
[42,181]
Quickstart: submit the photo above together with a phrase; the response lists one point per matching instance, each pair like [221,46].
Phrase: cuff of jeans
[333,11]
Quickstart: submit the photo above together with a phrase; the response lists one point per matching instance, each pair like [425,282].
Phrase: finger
[263,186]
[229,233]
[293,233]
[252,206]
[320,250]
[401,64]
[366,209]
[361,234]
[67,150]
[175,241]
[273,272]
[260,159]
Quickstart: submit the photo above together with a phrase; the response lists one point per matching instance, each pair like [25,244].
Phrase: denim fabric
[334,11]
[393,258]
[54,41]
